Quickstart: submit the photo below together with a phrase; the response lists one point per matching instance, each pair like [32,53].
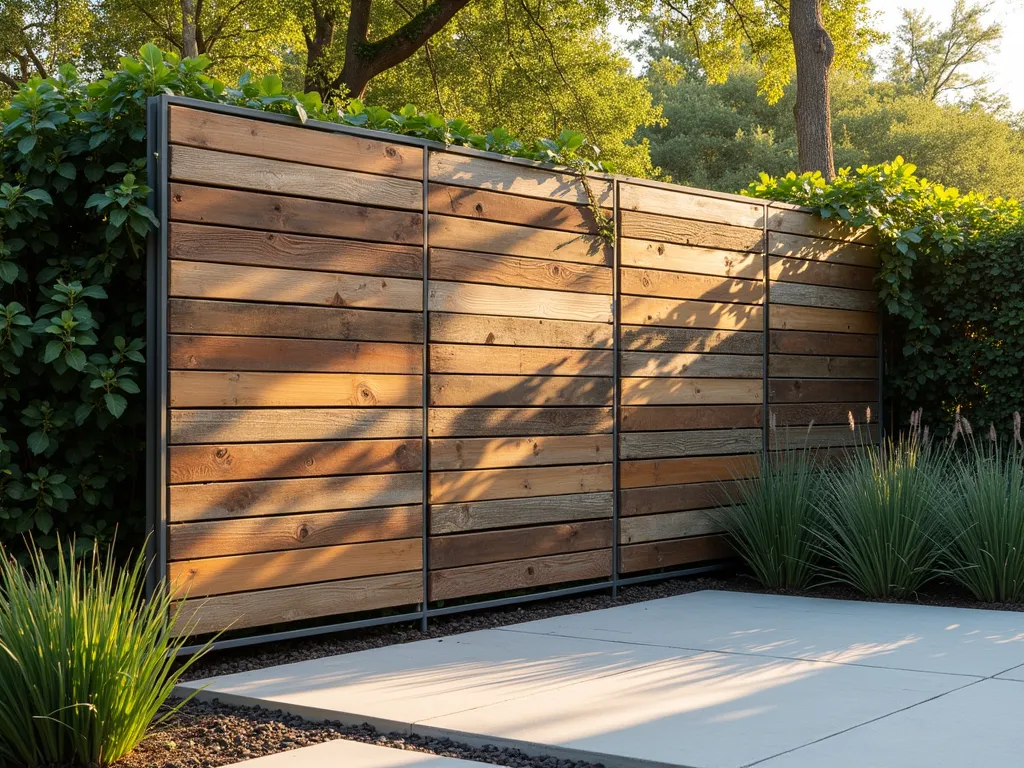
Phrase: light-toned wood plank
[477,422]
[513,240]
[816,367]
[657,391]
[250,425]
[511,209]
[636,197]
[298,143]
[650,418]
[466,298]
[684,258]
[518,332]
[648,226]
[788,218]
[519,574]
[680,285]
[690,314]
[786,318]
[218,538]
[802,295]
[497,546]
[226,389]
[814,343]
[516,179]
[694,340]
[518,271]
[683,364]
[666,554]
[232,353]
[668,525]
[821,273]
[194,279]
[259,174]
[447,390]
[505,513]
[704,442]
[796,246]
[487,452]
[259,498]
[700,469]
[256,461]
[518,483]
[821,391]
[676,498]
[519,361]
[799,414]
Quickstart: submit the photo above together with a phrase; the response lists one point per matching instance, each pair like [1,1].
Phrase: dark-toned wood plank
[638,310]
[821,273]
[518,543]
[487,452]
[684,258]
[478,422]
[786,318]
[657,339]
[269,424]
[816,343]
[225,389]
[510,209]
[513,240]
[676,498]
[519,574]
[519,332]
[518,483]
[448,390]
[686,204]
[667,525]
[642,391]
[702,469]
[665,554]
[823,367]
[653,417]
[705,442]
[506,513]
[519,271]
[519,361]
[680,285]
[818,391]
[647,226]
[821,436]
[783,217]
[803,295]
[821,413]
[468,298]
[684,364]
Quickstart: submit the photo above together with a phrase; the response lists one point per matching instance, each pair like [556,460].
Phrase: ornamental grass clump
[86,663]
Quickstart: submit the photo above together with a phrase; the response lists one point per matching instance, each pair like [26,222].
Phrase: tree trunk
[319,40]
[814,53]
[189,47]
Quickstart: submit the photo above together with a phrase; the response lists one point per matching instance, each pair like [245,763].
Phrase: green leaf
[38,442]
[115,404]
[27,144]
[75,359]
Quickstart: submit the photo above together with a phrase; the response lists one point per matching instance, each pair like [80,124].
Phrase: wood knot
[302,532]
[529,570]
[221,454]
[479,207]
[391,152]
[177,197]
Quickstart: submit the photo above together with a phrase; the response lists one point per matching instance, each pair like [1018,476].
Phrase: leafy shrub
[85,663]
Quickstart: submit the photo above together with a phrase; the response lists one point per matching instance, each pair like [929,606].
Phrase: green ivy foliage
[951,283]
[73,230]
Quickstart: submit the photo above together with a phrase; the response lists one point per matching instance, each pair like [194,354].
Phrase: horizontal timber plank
[487,452]
[680,285]
[479,422]
[254,210]
[518,543]
[660,339]
[199,280]
[799,414]
[661,391]
[818,343]
[814,367]
[260,174]
[217,538]
[260,461]
[506,513]
[233,353]
[668,525]
[821,273]
[225,389]
[685,313]
[516,179]
[518,482]
[816,249]
[821,391]
[519,361]
[650,418]
[242,319]
[636,197]
[684,258]
[701,469]
[519,331]
[279,606]
[500,300]
[667,554]
[676,498]
[519,574]
[250,247]
[787,318]
[786,218]
[448,390]
[259,498]
[297,143]
[821,296]
[648,226]
[684,364]
[822,436]
[265,425]
[514,240]
[518,271]
[510,209]
[703,442]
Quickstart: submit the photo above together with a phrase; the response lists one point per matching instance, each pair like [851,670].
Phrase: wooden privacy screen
[582,402]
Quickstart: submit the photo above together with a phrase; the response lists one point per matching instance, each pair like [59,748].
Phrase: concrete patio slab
[354,754]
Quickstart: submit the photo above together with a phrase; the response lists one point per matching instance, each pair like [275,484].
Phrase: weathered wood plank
[636,197]
[518,271]
[676,498]
[651,418]
[519,574]
[666,554]
[478,422]
[680,285]
[250,425]
[300,144]
[648,226]
[787,218]
[683,258]
[694,340]
[815,367]
[704,442]
[226,389]
[194,279]
[217,538]
[467,298]
[815,343]
[513,240]
[822,436]
[821,413]
[239,319]
[821,273]
[448,390]
[249,247]
[259,174]
[213,501]
[496,546]
[637,310]
[813,249]
[262,461]
[519,332]
[667,525]
[700,469]
[679,364]
[819,391]
[253,210]
[510,209]
[487,452]
[232,353]
[822,296]
[786,318]
[505,513]
[519,361]
[518,482]
[655,391]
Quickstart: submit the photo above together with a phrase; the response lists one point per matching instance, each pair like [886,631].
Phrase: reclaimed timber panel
[822,436]
[692,340]
[665,554]
[647,226]
[507,513]
[275,424]
[510,209]
[514,240]
[823,343]
[220,389]
[814,367]
[476,422]
[681,364]
[704,442]
[467,298]
[803,295]
[639,474]
[518,332]
[788,270]
[659,391]
[518,271]
[448,390]
[787,318]
[679,497]
[795,246]
[821,391]
[667,525]
[519,361]
[640,310]
[683,258]
[518,482]
[518,543]
[520,574]
[487,452]
[668,202]
[822,413]
[680,285]
[650,418]
[784,217]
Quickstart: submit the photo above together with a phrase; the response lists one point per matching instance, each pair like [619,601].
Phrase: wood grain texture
[668,525]
[680,285]
[692,340]
[820,367]
[823,436]
[269,534]
[486,452]
[821,273]
[471,267]
[660,391]
[666,202]
[253,210]
[499,300]
[818,391]
[193,279]
[648,226]
[518,483]
[816,343]
[510,209]
[220,389]
[447,390]
[702,469]
[505,513]
[232,353]
[802,295]
[261,498]
[666,554]
[515,179]
[683,364]
[269,424]
[786,318]
[516,544]
[242,319]
[519,332]
[519,361]
[801,414]
[786,218]
[519,574]
[705,442]
[255,461]
[297,143]
[259,174]
[638,310]
[514,240]
[650,418]
[684,258]
[822,250]
[676,498]
[478,422]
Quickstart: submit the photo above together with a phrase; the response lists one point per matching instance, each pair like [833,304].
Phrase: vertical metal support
[425,393]
[881,376]
[616,386]
[765,333]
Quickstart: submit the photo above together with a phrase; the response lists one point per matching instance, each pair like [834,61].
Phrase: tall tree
[815,53]
[37,35]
